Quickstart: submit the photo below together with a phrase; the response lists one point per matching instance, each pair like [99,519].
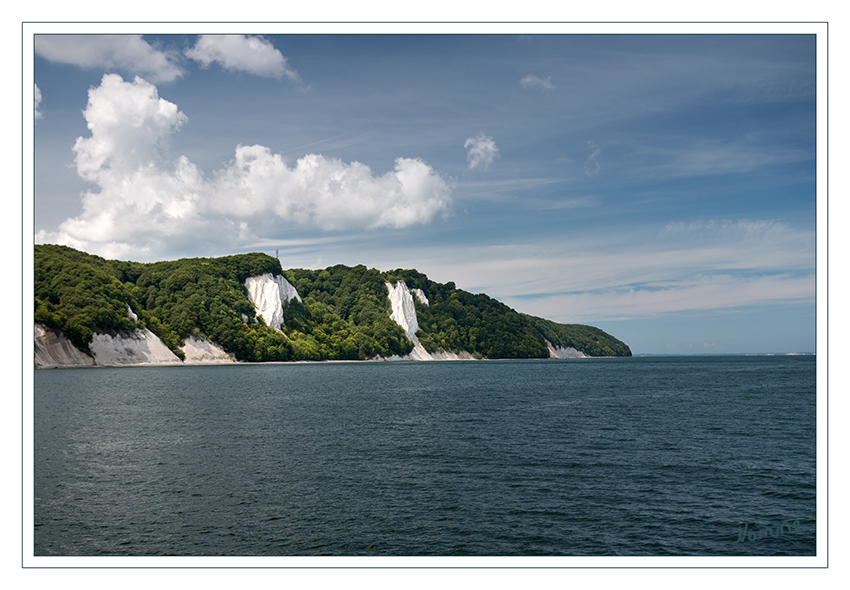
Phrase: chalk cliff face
[141,347]
[403,309]
[53,349]
[558,352]
[200,350]
[404,314]
[269,294]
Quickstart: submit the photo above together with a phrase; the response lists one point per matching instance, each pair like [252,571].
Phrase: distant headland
[246,308]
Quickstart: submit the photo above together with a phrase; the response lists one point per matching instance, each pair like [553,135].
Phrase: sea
[641,456]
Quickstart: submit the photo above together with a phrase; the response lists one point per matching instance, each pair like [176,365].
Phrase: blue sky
[660,187]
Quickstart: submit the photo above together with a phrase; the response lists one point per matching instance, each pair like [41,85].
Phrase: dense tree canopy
[344,313]
[457,320]
[587,339]
[79,293]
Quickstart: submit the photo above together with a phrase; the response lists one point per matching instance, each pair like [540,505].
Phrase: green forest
[344,313]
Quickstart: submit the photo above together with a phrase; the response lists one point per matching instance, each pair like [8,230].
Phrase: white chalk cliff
[119,348]
[202,350]
[269,294]
[559,352]
[403,309]
[140,347]
[404,314]
[53,349]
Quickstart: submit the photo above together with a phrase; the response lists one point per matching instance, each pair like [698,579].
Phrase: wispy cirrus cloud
[126,53]
[684,157]
[591,164]
[242,53]
[530,81]
[37,100]
[492,189]
[702,294]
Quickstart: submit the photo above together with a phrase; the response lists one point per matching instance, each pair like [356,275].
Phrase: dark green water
[640,456]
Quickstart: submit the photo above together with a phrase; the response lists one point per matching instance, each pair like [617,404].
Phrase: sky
[660,187]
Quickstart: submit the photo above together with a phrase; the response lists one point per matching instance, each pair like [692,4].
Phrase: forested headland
[344,313]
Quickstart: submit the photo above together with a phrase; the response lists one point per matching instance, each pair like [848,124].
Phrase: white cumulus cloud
[252,54]
[326,192]
[129,126]
[480,151]
[530,81]
[146,201]
[128,53]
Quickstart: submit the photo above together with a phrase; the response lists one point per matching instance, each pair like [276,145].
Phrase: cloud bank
[147,202]
[128,53]
[480,151]
[240,53]
[685,267]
